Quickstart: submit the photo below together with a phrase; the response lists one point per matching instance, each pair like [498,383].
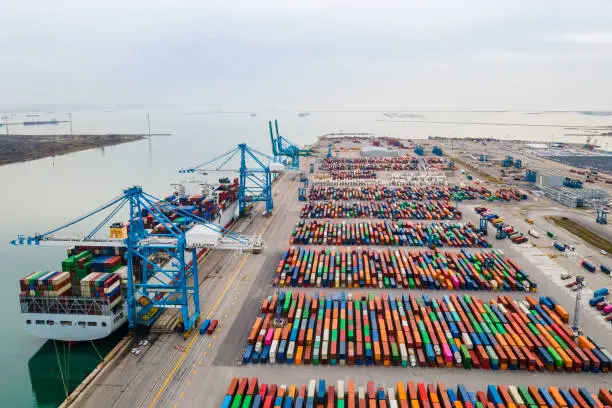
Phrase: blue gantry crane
[483,225]
[602,216]
[282,147]
[255,174]
[162,267]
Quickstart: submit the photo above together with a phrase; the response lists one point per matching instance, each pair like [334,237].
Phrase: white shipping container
[325,348]
[467,341]
[340,390]
[312,384]
[403,352]
[273,350]
[391,394]
[515,395]
[290,350]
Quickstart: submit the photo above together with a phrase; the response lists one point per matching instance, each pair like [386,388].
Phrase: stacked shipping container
[369,163]
[46,283]
[387,233]
[433,192]
[451,331]
[249,393]
[417,210]
[352,174]
[102,285]
[304,267]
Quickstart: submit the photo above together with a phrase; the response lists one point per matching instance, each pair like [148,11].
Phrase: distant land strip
[21,148]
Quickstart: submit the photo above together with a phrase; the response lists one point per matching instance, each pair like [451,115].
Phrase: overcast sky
[476,54]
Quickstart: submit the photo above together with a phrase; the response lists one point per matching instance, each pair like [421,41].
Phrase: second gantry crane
[255,174]
[282,147]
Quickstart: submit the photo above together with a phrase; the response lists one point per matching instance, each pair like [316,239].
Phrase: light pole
[70,119]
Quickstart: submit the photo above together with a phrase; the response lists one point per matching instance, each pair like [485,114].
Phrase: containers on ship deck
[398,268]
[402,330]
[249,393]
[418,210]
[102,285]
[46,283]
[313,232]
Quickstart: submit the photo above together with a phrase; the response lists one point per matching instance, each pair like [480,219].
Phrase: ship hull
[86,327]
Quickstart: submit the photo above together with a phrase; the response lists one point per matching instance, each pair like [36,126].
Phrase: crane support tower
[483,226]
[501,234]
[602,216]
[162,267]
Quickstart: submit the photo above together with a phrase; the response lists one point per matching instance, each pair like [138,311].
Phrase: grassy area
[483,175]
[584,233]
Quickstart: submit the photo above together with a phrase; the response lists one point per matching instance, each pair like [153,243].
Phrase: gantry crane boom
[255,171]
[169,283]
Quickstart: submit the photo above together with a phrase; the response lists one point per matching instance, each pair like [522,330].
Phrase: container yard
[378,269]
[363,268]
[400,233]
[407,193]
[250,392]
[450,331]
[408,210]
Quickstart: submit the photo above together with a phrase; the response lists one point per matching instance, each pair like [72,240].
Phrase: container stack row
[250,393]
[406,193]
[102,285]
[393,330]
[46,283]
[396,268]
[397,233]
[369,163]
[416,210]
[352,174]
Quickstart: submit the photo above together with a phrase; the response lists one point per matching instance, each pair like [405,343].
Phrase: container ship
[85,300]
[41,122]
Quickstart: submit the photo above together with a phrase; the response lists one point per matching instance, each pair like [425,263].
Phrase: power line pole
[70,119]
[149,124]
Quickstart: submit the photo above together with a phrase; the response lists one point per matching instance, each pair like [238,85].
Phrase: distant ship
[303,114]
[253,114]
[41,122]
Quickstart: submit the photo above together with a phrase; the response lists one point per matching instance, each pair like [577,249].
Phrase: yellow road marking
[197,333]
[212,309]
